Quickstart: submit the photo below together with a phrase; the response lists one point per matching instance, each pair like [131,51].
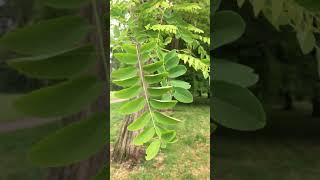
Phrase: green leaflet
[227,27]
[258,6]
[148,47]
[181,84]
[236,107]
[51,101]
[127,82]
[126,58]
[128,92]
[33,39]
[306,40]
[140,122]
[151,68]
[132,106]
[58,66]
[168,136]
[166,120]
[177,71]
[161,104]
[159,91]
[234,73]
[71,144]
[144,137]
[186,35]
[63,4]
[124,73]
[155,78]
[171,59]
[153,149]
[182,95]
[240,2]
[130,48]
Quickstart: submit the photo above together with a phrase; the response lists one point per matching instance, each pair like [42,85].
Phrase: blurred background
[288,147]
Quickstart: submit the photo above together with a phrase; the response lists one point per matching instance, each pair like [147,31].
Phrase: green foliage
[54,49]
[227,27]
[140,122]
[56,66]
[233,105]
[236,107]
[234,73]
[147,29]
[301,15]
[153,149]
[47,37]
[65,98]
[71,143]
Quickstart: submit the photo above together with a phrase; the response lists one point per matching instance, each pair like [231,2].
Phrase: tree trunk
[316,107]
[288,101]
[124,150]
[316,100]
[88,168]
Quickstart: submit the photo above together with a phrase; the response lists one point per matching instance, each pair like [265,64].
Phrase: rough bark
[124,150]
[88,168]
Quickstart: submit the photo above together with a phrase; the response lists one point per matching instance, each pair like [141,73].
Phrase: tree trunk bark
[88,168]
[315,107]
[124,150]
[288,102]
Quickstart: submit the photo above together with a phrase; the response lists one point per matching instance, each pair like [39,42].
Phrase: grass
[286,149]
[13,153]
[186,159]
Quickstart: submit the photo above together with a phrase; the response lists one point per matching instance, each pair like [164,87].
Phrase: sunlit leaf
[159,91]
[153,149]
[162,104]
[126,58]
[166,120]
[124,73]
[144,137]
[132,106]
[155,78]
[181,84]
[177,71]
[127,81]
[182,95]
[153,67]
[128,92]
[140,122]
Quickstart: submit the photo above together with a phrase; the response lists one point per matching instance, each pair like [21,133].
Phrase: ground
[286,149]
[186,159]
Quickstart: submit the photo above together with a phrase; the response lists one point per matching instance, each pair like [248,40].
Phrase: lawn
[188,158]
[14,164]
[286,149]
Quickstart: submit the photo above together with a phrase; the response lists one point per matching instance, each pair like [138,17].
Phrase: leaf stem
[144,85]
